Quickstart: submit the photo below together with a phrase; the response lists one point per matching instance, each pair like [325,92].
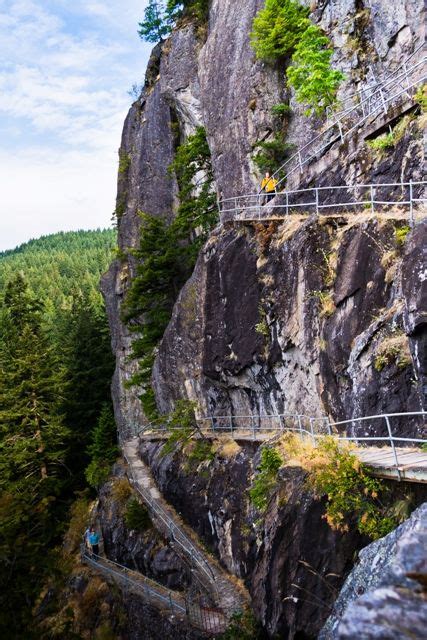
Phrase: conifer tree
[32,446]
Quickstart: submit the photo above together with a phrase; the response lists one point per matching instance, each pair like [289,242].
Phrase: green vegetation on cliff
[281,31]
[166,257]
[161,15]
[56,366]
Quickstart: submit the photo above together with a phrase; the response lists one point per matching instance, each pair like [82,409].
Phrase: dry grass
[121,491]
[299,451]
[226,448]
[394,348]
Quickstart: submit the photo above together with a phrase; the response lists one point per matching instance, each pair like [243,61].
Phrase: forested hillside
[56,421]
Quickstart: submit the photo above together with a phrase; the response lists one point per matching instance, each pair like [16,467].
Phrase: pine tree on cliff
[155,26]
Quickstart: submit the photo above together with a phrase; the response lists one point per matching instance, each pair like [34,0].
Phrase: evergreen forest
[56,420]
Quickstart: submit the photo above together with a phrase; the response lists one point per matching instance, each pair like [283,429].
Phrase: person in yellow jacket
[268,185]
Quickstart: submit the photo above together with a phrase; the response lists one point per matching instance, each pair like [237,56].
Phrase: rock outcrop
[215,80]
[384,597]
[291,560]
[318,316]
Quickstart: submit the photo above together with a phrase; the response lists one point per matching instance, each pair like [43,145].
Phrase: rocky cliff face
[291,560]
[318,316]
[385,595]
[219,358]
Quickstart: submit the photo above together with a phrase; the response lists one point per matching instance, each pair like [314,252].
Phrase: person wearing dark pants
[94,541]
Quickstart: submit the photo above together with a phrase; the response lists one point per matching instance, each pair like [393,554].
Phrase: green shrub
[382,142]
[97,473]
[124,162]
[311,75]
[282,29]
[272,153]
[201,451]
[243,626]
[401,234]
[282,109]
[181,424]
[277,28]
[137,517]
[265,481]
[421,97]
[352,494]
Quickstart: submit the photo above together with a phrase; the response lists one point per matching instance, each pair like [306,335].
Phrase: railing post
[316,190]
[411,205]
[259,206]
[212,424]
[300,160]
[231,425]
[300,425]
[287,203]
[328,426]
[372,197]
[253,426]
[383,101]
[312,431]
[340,129]
[390,435]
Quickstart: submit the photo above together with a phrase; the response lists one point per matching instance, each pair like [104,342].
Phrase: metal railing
[370,87]
[315,427]
[403,81]
[208,619]
[353,118]
[205,576]
[154,592]
[326,200]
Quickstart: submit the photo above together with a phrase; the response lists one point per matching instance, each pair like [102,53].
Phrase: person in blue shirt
[94,541]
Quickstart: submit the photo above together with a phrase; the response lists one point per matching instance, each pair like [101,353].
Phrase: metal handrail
[335,131]
[200,618]
[175,532]
[367,111]
[153,589]
[370,89]
[253,207]
[329,427]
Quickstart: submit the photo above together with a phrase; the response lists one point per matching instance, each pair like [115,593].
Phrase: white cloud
[44,193]
[64,74]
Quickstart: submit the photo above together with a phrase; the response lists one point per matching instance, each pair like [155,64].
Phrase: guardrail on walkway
[318,427]
[351,119]
[174,532]
[407,78]
[322,201]
[207,619]
[372,86]
[153,592]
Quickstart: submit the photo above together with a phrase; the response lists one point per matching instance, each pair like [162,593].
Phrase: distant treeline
[56,426]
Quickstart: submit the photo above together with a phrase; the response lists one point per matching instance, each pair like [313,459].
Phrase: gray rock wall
[217,354]
[384,596]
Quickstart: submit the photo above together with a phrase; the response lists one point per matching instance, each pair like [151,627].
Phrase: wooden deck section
[412,463]
[381,461]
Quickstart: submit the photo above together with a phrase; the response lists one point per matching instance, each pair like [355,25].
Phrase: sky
[66,67]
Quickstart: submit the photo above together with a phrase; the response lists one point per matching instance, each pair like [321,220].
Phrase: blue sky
[65,69]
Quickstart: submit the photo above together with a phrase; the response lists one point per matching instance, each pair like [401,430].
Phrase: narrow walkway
[206,619]
[412,463]
[411,467]
[226,590]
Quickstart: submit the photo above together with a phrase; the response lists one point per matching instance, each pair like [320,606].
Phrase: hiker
[268,186]
[94,541]
[86,539]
